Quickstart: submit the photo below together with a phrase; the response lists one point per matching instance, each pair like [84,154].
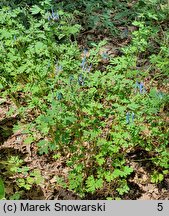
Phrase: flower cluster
[130,117]
[59,96]
[54,16]
[140,87]
[81,79]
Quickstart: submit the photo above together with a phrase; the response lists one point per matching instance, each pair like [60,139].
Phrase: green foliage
[123,187]
[101,15]
[2,189]
[158,177]
[106,16]
[92,184]
[24,177]
[31,179]
[12,164]
[15,196]
[153,10]
[92,117]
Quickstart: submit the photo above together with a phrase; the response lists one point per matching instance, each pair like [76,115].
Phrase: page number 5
[160,207]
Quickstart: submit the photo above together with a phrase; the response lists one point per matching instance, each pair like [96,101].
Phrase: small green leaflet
[35,9]
[43,146]
[123,188]
[93,184]
[29,140]
[128,170]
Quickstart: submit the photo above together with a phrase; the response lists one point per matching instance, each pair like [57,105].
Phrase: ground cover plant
[95,113]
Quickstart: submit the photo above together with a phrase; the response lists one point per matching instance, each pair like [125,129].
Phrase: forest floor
[12,144]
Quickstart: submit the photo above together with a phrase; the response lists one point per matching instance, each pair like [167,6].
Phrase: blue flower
[89,69]
[85,52]
[132,116]
[59,95]
[137,85]
[54,16]
[127,118]
[125,33]
[53,12]
[83,63]
[84,60]
[58,68]
[105,56]
[81,79]
[141,87]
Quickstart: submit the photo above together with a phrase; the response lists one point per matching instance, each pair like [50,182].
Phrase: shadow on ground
[6,128]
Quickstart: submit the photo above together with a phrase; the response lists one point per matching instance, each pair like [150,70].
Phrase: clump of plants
[70,107]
